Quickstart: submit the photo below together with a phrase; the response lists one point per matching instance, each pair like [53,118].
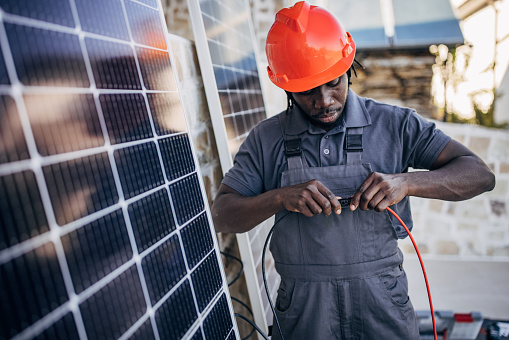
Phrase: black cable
[250,312]
[241,267]
[264,275]
[252,324]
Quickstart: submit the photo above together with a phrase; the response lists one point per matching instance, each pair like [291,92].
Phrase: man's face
[324,104]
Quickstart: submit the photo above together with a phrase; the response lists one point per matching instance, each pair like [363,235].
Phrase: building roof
[378,24]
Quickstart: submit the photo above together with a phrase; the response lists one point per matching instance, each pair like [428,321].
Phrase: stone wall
[475,228]
[399,77]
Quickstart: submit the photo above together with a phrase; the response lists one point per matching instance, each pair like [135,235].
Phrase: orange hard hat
[306,47]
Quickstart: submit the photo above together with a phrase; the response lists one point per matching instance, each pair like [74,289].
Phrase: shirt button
[326,151]
[326,137]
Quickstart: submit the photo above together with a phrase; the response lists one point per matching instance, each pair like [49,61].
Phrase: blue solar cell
[145,332]
[126,117]
[207,281]
[31,286]
[167,113]
[187,198]
[104,17]
[197,240]
[177,313]
[218,323]
[198,335]
[4,77]
[21,211]
[177,147]
[115,308]
[47,58]
[156,69]
[146,25]
[53,11]
[63,122]
[97,249]
[88,179]
[113,65]
[151,218]
[13,146]
[164,268]
[139,169]
[62,329]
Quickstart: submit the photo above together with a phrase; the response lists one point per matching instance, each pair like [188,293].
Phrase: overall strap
[293,150]
[353,145]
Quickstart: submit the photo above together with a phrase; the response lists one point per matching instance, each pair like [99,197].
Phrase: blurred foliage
[452,75]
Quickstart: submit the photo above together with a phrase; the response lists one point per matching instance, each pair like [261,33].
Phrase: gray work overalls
[341,275]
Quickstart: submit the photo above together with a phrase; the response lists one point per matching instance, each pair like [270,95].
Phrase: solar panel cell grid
[21,210]
[104,230]
[46,58]
[206,281]
[166,113]
[151,219]
[126,117]
[139,168]
[53,11]
[103,17]
[32,286]
[112,310]
[97,249]
[63,123]
[164,268]
[173,318]
[197,240]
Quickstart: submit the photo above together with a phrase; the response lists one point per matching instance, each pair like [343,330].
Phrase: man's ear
[289,99]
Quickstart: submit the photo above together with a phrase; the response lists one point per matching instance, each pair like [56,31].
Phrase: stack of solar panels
[225,43]
[104,228]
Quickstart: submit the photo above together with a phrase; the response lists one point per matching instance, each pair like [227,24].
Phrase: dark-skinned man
[341,268]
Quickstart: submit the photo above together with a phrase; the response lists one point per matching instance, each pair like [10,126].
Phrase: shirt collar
[354,115]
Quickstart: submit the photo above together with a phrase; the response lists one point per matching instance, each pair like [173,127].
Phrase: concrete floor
[460,285]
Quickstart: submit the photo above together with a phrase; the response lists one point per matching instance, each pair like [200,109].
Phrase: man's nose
[323,98]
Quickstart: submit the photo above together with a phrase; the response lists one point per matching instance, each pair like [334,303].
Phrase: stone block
[469,227]
[480,145]
[436,205]
[446,248]
[504,168]
[473,209]
[498,251]
[498,208]
[500,149]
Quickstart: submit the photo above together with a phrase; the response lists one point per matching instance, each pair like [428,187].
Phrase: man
[341,269]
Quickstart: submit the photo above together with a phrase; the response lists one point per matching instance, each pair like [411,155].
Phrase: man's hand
[379,191]
[310,198]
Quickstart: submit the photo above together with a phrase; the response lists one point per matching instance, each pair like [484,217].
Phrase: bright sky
[479,30]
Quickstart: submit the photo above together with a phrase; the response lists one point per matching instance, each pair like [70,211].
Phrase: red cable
[422,266]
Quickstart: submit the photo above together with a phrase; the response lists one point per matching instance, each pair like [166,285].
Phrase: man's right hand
[310,198]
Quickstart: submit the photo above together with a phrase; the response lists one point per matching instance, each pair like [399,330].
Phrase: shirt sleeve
[422,141]
[245,176]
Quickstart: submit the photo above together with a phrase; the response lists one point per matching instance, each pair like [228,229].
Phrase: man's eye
[306,93]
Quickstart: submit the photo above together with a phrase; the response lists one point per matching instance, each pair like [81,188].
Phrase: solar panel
[104,230]
[225,43]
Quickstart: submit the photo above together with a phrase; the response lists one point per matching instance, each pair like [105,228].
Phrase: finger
[356,198]
[373,203]
[330,202]
[314,208]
